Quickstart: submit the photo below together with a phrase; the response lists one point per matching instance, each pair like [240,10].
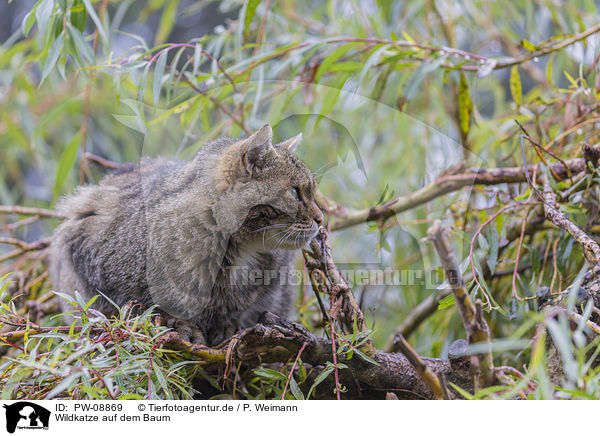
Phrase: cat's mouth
[288,237]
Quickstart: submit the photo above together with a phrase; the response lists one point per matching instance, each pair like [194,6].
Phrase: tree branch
[591,249]
[277,340]
[341,218]
[21,210]
[471,313]
[344,306]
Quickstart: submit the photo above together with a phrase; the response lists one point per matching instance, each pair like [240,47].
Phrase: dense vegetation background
[401,104]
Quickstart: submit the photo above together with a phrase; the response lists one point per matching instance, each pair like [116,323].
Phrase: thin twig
[25,247]
[21,210]
[292,370]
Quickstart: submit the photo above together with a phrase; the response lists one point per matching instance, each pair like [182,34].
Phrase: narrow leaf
[95,19]
[515,86]
[64,165]
[28,22]
[167,21]
[159,72]
[78,15]
[464,105]
[43,14]
[331,59]
[296,392]
[53,55]
[81,44]
[250,11]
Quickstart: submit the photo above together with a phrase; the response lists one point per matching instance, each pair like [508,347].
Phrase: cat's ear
[256,148]
[291,144]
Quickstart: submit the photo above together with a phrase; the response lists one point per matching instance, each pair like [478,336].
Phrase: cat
[210,241]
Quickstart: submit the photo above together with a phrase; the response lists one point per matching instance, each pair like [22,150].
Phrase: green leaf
[67,383]
[56,28]
[167,21]
[461,391]
[528,45]
[465,106]
[78,15]
[53,55]
[95,19]
[65,164]
[366,358]
[251,6]
[549,72]
[413,84]
[296,392]
[143,84]
[515,86]
[483,243]
[372,60]
[494,241]
[270,374]
[28,21]
[197,55]
[301,371]
[332,95]
[159,72]
[332,59]
[573,82]
[446,302]
[328,370]
[89,303]
[81,44]
[43,14]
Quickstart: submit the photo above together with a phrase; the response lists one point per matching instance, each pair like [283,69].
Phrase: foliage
[101,359]
[438,83]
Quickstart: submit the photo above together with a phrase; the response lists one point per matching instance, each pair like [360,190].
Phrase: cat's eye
[295,193]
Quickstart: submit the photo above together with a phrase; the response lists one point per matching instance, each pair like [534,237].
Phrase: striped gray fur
[177,234]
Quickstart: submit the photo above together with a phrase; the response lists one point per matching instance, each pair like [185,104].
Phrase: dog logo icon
[26,415]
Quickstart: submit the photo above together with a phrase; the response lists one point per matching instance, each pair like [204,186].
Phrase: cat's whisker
[269,227]
[296,239]
[277,244]
[264,230]
[277,234]
[284,238]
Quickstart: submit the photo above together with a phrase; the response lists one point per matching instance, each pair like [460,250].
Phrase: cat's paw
[188,331]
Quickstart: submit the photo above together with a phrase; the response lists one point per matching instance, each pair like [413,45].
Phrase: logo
[26,415]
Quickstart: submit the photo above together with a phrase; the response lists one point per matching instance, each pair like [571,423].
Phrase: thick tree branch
[277,340]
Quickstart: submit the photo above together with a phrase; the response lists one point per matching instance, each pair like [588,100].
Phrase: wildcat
[209,241]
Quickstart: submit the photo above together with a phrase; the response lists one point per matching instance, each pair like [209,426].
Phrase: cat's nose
[319,218]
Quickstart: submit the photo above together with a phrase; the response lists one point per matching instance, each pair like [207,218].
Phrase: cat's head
[266,195]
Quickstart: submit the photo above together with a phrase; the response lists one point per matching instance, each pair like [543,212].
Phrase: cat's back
[105,230]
